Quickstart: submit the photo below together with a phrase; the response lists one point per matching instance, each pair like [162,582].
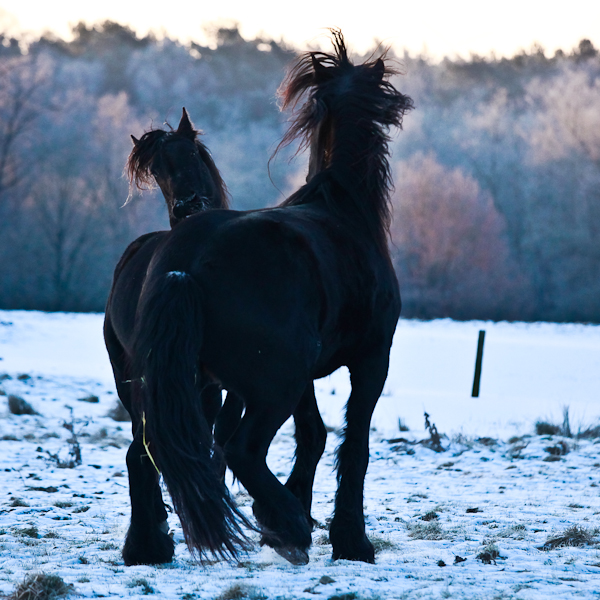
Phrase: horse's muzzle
[188,206]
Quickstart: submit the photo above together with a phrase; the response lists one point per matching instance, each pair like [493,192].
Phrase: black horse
[264,302]
[190,182]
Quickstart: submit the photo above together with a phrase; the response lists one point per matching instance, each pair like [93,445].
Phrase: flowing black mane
[345,120]
[139,162]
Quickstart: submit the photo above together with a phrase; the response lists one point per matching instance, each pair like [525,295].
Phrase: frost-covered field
[485,496]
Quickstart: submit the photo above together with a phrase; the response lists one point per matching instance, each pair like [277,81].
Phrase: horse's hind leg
[347,531]
[280,514]
[147,541]
[228,418]
[226,423]
[211,398]
[311,437]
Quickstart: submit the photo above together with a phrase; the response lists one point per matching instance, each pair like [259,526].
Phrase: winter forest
[497,171]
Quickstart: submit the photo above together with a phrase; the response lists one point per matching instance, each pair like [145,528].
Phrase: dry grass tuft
[545,428]
[572,536]
[40,586]
[515,532]
[381,544]
[417,497]
[119,413]
[591,433]
[426,531]
[74,457]
[487,441]
[434,442]
[30,532]
[143,583]
[17,502]
[241,592]
[559,449]
[91,399]
[18,406]
[489,554]
[516,450]
[430,516]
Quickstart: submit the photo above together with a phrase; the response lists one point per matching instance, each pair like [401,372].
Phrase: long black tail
[169,328]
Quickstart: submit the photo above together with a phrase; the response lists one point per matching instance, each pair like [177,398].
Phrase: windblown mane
[139,162]
[331,85]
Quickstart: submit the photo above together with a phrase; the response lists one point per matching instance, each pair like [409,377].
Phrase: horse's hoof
[296,556]
[366,554]
[155,550]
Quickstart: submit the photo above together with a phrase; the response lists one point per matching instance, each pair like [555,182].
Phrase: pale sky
[439,27]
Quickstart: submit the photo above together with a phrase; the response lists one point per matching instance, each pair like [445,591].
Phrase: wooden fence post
[478,361]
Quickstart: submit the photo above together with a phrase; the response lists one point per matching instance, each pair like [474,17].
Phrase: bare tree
[63,225]
[451,252]
[22,86]
[566,118]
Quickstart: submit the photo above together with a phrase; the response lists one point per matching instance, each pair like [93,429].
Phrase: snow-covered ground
[71,522]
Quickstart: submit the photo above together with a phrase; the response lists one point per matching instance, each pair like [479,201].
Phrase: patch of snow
[72,522]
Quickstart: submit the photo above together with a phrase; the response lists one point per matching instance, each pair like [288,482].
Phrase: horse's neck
[314,164]
[356,160]
[320,147]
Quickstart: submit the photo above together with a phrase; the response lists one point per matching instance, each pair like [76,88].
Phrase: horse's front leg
[311,437]
[347,531]
[280,514]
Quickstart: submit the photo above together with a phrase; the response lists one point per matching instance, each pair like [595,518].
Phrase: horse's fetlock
[147,546]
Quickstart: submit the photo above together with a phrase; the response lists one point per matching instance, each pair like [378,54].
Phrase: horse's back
[280,287]
[128,280]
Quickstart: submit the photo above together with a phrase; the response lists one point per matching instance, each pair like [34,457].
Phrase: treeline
[498,188]
[66,112]
[497,173]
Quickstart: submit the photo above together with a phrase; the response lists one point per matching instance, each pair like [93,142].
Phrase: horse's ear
[379,69]
[185,126]
[320,70]
[134,140]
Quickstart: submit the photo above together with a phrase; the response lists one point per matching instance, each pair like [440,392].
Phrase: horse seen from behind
[183,169]
[264,302]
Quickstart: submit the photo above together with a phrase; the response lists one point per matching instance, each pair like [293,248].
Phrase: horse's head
[343,112]
[181,166]
[326,91]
